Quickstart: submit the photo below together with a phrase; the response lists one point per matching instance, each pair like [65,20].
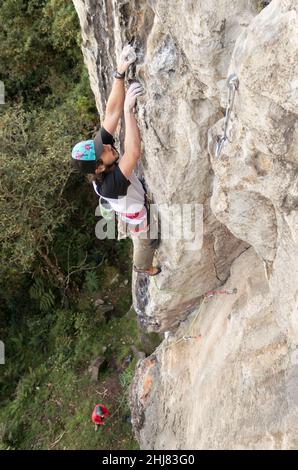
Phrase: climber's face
[108,159]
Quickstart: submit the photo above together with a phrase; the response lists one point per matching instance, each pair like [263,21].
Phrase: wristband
[119,75]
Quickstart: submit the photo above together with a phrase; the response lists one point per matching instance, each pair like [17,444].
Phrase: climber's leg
[145,244]
[143,253]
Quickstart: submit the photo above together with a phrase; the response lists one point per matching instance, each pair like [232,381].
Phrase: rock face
[247,354]
[227,385]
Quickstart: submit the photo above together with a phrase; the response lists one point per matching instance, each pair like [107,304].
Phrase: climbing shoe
[142,271]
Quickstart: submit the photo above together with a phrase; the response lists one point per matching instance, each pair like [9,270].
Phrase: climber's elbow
[128,163]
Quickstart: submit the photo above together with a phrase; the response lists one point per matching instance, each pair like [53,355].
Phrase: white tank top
[132,203]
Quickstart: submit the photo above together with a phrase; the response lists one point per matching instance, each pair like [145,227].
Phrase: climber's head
[92,156]
[99,411]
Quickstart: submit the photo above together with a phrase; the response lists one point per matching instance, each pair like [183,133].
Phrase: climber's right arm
[116,98]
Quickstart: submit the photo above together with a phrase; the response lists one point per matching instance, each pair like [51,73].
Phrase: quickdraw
[233,84]
[186,338]
[211,293]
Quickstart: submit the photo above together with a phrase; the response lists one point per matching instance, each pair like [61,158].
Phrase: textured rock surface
[239,381]
[182,66]
[255,187]
[229,387]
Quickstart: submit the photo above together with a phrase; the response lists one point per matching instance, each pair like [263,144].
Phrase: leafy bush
[32,35]
[51,263]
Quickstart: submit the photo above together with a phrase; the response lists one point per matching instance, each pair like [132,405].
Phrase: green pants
[143,246]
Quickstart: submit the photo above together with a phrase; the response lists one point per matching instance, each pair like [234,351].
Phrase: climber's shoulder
[106,136]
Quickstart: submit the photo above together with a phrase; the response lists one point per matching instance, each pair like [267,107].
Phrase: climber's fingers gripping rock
[133,92]
[128,56]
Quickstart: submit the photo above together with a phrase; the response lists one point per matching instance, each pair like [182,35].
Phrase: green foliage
[91,282]
[52,266]
[35,175]
[60,25]
[261,4]
[56,396]
[126,378]
[32,33]
[16,418]
[31,182]
[45,298]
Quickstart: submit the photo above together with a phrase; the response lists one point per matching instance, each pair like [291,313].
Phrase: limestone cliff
[231,359]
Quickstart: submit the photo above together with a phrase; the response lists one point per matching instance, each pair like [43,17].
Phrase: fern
[45,299]
[37,290]
[91,282]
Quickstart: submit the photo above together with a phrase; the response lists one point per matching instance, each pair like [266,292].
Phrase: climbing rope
[233,84]
[187,336]
[207,295]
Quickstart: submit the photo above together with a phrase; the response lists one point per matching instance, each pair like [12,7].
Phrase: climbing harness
[233,84]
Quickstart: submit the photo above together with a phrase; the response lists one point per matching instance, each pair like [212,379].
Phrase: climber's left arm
[116,98]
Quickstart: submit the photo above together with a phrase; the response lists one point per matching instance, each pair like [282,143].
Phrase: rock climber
[99,414]
[114,179]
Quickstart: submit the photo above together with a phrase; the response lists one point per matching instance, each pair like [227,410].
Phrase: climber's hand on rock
[133,92]
[128,56]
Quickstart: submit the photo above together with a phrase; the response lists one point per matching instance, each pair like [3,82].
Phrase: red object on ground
[99,414]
